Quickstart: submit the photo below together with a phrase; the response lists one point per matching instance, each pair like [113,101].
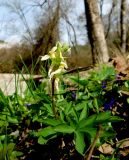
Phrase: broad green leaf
[16,154]
[83,114]
[2,137]
[103,116]
[10,147]
[12,120]
[63,128]
[45,132]
[90,130]
[79,142]
[79,106]
[51,122]
[42,140]
[88,121]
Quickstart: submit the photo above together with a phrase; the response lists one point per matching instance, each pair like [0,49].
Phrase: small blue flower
[104,84]
[27,104]
[108,106]
[73,95]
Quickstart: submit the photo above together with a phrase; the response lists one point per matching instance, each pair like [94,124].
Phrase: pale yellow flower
[44,58]
[58,63]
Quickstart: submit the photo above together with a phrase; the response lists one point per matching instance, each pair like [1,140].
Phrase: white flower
[58,63]
[58,71]
[44,58]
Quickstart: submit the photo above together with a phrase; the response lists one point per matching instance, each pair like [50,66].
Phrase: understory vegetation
[67,116]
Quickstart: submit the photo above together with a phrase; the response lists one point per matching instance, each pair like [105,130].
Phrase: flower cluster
[58,62]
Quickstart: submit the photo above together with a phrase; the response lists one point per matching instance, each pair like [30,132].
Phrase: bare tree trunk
[110,17]
[101,8]
[96,32]
[123,25]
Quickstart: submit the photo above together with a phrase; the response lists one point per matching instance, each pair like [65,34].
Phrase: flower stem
[53,97]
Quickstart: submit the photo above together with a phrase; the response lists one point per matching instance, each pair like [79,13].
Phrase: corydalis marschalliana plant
[58,62]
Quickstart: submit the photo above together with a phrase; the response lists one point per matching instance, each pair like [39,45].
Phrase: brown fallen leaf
[106,149]
[125,152]
[123,143]
[124,92]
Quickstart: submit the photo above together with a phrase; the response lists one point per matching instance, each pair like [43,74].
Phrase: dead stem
[88,157]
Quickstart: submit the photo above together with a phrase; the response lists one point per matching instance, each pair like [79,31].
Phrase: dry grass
[10,59]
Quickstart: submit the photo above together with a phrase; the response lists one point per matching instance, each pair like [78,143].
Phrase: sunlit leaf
[45,132]
[86,122]
[79,142]
[89,130]
[42,140]
[12,120]
[83,114]
[63,128]
[115,119]
[103,116]
[51,122]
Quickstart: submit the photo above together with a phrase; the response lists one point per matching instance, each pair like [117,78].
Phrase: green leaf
[48,108]
[127,84]
[115,119]
[79,106]
[90,130]
[74,113]
[63,128]
[42,140]
[105,72]
[79,142]
[2,137]
[83,114]
[10,147]
[96,104]
[82,81]
[16,154]
[12,120]
[108,134]
[103,116]
[45,132]
[128,100]
[68,108]
[88,121]
[51,122]
[62,116]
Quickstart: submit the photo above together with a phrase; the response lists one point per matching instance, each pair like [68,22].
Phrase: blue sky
[12,28]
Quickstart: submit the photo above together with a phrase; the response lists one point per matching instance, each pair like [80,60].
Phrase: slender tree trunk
[96,32]
[110,18]
[123,25]
[101,8]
